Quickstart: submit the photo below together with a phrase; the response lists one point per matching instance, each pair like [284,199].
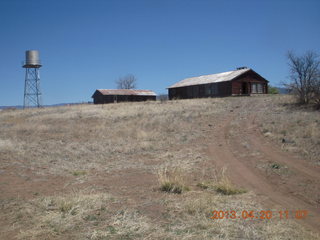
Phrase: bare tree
[304,75]
[163,97]
[127,82]
[317,92]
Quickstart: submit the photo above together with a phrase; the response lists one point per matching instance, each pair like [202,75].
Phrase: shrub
[273,90]
[172,181]
[221,184]
[79,173]
[226,187]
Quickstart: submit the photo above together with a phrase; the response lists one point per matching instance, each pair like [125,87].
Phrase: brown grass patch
[296,129]
[172,180]
[221,183]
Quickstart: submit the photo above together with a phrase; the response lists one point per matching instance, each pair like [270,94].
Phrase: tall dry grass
[86,141]
[172,180]
[221,183]
[105,137]
[295,128]
[90,215]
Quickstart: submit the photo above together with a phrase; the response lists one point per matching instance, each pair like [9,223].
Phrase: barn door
[244,88]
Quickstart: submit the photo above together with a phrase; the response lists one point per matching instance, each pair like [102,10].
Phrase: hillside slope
[96,172]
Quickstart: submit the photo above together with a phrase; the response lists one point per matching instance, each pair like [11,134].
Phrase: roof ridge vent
[241,68]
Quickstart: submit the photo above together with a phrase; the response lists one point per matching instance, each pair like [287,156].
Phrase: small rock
[267,134]
[292,149]
[285,140]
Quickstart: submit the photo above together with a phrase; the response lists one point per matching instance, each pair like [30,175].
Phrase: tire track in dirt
[303,179]
[243,171]
[298,164]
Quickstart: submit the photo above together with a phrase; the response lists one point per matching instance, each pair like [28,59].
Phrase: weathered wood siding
[201,91]
[98,98]
[249,83]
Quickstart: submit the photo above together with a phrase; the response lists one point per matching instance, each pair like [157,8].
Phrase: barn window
[189,92]
[254,88]
[257,88]
[214,89]
[195,91]
[208,90]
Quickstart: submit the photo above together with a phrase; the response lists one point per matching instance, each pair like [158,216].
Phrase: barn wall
[201,91]
[100,99]
[224,89]
[241,86]
[244,85]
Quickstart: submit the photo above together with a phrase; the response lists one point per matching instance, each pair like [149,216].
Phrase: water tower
[32,93]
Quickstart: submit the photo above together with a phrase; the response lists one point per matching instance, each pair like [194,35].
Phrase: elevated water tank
[32,58]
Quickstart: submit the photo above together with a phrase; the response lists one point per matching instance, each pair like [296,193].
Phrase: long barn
[101,96]
[243,81]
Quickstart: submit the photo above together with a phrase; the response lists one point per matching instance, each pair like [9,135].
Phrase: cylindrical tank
[32,57]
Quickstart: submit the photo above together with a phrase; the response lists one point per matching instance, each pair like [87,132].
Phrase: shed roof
[212,78]
[126,92]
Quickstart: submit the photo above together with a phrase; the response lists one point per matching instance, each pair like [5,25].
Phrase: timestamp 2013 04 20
[263,214]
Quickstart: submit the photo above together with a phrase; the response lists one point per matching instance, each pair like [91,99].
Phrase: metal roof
[126,92]
[212,78]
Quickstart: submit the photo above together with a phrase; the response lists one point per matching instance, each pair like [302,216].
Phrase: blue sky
[88,44]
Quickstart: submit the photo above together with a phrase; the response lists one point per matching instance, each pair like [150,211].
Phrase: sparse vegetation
[227,188]
[94,172]
[89,215]
[50,217]
[297,129]
[190,219]
[204,184]
[221,184]
[173,180]
[275,165]
[273,90]
[79,173]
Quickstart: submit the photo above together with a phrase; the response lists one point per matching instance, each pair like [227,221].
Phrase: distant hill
[283,90]
[52,105]
[17,106]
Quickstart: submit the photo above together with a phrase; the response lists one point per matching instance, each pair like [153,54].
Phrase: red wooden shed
[243,81]
[101,96]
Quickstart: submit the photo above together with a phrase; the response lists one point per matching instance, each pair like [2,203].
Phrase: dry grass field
[297,128]
[154,170]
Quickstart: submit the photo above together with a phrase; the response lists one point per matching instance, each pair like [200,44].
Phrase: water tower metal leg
[32,93]
[25,90]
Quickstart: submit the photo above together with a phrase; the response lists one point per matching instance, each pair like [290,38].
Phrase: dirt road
[281,180]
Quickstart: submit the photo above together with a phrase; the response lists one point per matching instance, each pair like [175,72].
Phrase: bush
[172,181]
[273,90]
[226,187]
[222,184]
